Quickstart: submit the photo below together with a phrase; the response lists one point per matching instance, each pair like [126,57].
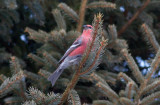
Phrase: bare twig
[81,14]
[134,17]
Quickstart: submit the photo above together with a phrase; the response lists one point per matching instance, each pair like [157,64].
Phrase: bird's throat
[87,32]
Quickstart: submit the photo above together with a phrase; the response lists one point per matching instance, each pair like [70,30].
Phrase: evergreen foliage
[34,35]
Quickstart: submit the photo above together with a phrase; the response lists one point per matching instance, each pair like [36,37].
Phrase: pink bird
[74,54]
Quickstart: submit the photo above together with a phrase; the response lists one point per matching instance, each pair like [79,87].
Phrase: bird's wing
[76,44]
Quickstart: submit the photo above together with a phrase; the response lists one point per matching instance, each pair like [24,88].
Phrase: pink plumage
[74,54]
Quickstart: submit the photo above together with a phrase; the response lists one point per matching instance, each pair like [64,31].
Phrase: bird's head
[87,29]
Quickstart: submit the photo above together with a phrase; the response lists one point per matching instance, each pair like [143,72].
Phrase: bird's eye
[90,27]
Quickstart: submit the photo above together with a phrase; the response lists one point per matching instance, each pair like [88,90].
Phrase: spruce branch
[102,102]
[108,92]
[112,33]
[11,83]
[4,56]
[37,36]
[109,77]
[62,32]
[126,101]
[49,59]
[94,77]
[13,100]
[128,80]
[73,98]
[122,93]
[59,19]
[119,44]
[56,39]
[37,59]
[133,18]
[22,86]
[129,89]
[147,18]
[96,57]
[125,77]
[102,4]
[41,78]
[29,103]
[81,14]
[40,98]
[151,87]
[37,95]
[70,86]
[154,66]
[71,36]
[149,99]
[11,4]
[62,83]
[14,65]
[3,77]
[155,102]
[69,11]
[133,66]
[109,59]
[37,10]
[139,93]
[53,99]
[44,73]
[114,75]
[129,3]
[31,75]
[149,36]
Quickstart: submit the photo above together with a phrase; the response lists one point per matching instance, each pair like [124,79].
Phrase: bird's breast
[81,49]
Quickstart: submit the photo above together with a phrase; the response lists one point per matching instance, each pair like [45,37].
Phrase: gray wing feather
[76,44]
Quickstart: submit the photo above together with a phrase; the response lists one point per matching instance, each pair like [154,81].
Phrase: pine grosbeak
[74,54]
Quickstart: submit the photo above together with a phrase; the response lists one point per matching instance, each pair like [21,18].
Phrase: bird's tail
[55,75]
